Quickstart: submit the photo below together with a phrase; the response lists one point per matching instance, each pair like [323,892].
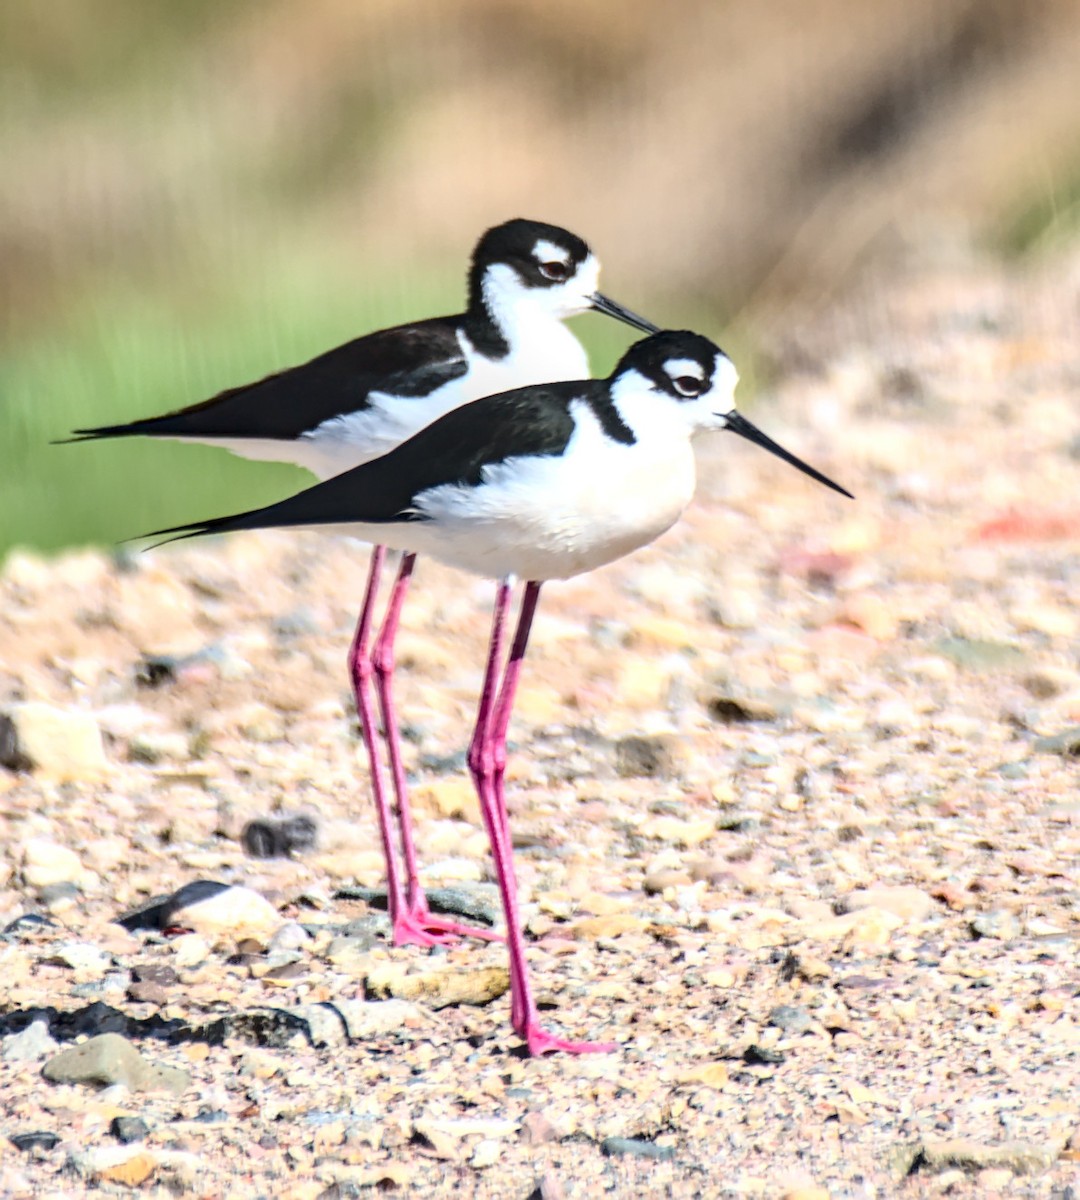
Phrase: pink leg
[414,915]
[360,671]
[487,763]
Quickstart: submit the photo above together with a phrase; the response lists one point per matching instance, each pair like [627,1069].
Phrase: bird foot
[539,1041]
[418,927]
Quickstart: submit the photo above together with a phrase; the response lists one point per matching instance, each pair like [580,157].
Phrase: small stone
[11,753]
[45,863]
[439,988]
[791,1018]
[993,1179]
[910,904]
[866,929]
[33,1043]
[267,838]
[536,1129]
[366,1019]
[64,745]
[1022,1158]
[291,936]
[229,916]
[110,1058]
[1054,620]
[38,1139]
[452,797]
[659,881]
[635,1148]
[710,1074]
[611,926]
[651,757]
[998,923]
[129,1129]
[871,614]
[808,1192]
[975,654]
[85,959]
[118,1164]
[189,950]
[486,1153]
[678,831]
[1067,742]
[549,1187]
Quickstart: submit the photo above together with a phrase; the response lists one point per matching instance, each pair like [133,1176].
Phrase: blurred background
[196,194]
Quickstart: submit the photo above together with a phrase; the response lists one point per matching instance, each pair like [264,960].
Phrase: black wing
[527,422]
[408,360]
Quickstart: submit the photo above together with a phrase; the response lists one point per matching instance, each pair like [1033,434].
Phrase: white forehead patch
[724,373]
[545,251]
[678,367]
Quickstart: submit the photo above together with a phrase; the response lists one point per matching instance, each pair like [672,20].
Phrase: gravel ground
[794,793]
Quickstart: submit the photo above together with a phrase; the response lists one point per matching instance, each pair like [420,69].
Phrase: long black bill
[737,423]
[610,309]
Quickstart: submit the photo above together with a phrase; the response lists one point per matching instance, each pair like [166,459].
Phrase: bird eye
[558,272]
[689,385]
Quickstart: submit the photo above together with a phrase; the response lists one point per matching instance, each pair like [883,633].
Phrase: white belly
[558,516]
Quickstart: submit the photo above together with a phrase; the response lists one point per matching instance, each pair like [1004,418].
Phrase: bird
[541,483]
[354,403]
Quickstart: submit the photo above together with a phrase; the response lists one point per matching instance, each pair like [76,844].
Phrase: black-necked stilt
[541,483]
[360,400]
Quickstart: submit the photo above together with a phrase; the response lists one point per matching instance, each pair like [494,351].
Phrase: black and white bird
[359,401]
[541,483]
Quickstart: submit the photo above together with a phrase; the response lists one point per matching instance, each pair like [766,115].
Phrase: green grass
[125,353]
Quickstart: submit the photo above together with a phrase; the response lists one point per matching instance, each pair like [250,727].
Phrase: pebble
[129,1129]
[678,831]
[33,1043]
[63,744]
[452,798]
[11,754]
[366,1019]
[910,904]
[1020,1157]
[635,1148]
[442,987]
[46,863]
[38,1139]
[486,1153]
[653,757]
[613,925]
[266,838]
[791,1018]
[117,1164]
[536,1129]
[84,958]
[865,929]
[110,1058]
[998,923]
[1067,742]
[548,1187]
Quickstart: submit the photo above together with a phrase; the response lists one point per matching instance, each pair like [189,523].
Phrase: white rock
[45,862]
[372,1018]
[63,744]
[84,957]
[190,949]
[33,1043]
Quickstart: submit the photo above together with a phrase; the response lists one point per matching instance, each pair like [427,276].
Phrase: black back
[407,360]
[528,422]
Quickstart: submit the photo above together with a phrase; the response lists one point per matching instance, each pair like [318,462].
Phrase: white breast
[551,517]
